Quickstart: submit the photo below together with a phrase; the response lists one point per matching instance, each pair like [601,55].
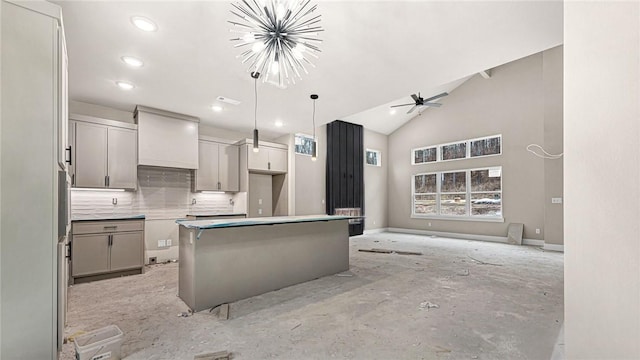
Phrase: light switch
[259,211]
[259,201]
[162,243]
[556,200]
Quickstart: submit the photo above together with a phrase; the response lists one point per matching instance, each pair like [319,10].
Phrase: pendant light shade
[255,76]
[314,145]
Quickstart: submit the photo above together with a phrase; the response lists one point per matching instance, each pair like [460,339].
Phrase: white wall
[310,178]
[602,180]
[376,182]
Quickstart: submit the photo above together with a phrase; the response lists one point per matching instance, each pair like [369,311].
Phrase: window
[304,144]
[471,148]
[461,194]
[425,155]
[486,146]
[373,157]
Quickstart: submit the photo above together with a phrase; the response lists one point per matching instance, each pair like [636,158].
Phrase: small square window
[485,147]
[373,157]
[303,144]
[454,151]
[426,155]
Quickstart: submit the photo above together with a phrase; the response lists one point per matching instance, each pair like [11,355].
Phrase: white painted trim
[375,231]
[102,121]
[553,247]
[459,218]
[490,238]
[533,242]
[164,113]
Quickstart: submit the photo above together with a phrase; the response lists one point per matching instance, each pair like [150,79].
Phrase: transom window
[303,144]
[461,194]
[464,149]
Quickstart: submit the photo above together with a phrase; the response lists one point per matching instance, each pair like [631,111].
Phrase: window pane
[485,180]
[485,147]
[425,155]
[303,144]
[424,204]
[373,157]
[452,204]
[425,183]
[487,204]
[454,182]
[454,151]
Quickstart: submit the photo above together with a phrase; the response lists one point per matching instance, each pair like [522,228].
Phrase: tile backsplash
[163,193]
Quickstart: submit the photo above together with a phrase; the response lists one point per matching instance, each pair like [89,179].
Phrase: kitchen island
[222,261]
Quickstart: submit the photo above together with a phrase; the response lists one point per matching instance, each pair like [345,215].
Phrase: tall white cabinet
[33,103]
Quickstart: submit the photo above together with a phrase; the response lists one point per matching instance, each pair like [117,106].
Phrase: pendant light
[255,75]
[314,146]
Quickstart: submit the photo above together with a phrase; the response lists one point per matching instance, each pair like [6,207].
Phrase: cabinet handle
[111,226]
[106,183]
[73,179]
[110,240]
[269,166]
[218,185]
[70,161]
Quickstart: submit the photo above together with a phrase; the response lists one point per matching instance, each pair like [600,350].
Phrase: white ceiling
[374,54]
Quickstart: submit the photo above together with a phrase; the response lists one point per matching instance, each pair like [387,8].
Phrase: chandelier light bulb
[277,34]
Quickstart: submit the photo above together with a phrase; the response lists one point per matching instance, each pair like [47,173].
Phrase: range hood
[166,139]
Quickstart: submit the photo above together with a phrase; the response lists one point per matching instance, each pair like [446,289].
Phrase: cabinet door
[126,251]
[207,173]
[277,160]
[72,144]
[229,167]
[91,155]
[63,113]
[89,254]
[258,160]
[122,162]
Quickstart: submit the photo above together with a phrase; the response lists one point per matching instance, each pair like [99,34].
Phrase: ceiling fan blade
[402,105]
[414,97]
[436,97]
[411,110]
[432,104]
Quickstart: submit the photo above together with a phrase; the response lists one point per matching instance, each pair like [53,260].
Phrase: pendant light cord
[314,120]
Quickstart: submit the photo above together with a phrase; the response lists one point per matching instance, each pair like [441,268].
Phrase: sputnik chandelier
[279,37]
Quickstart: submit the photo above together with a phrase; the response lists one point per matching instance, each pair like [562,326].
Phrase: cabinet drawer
[95,227]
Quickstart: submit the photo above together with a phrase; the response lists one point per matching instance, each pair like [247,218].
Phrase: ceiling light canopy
[143,23]
[279,37]
[132,61]
[125,85]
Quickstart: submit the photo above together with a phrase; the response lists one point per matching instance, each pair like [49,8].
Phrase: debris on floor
[295,327]
[428,305]
[186,313]
[441,350]
[218,355]
[344,275]
[464,272]
[483,262]
[387,251]
[223,311]
[72,337]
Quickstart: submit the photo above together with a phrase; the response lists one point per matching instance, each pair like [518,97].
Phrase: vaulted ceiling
[374,53]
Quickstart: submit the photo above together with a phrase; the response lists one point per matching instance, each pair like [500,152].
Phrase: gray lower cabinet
[104,249]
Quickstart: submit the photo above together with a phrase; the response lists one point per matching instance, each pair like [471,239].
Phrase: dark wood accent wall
[345,169]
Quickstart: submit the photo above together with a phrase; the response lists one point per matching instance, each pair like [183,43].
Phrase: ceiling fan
[419,101]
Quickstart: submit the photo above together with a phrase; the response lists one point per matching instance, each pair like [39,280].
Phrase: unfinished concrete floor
[459,300]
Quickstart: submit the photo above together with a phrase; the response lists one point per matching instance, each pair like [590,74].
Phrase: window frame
[468,193]
[378,157]
[468,156]
[306,137]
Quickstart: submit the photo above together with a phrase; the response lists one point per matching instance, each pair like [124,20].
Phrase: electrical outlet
[193,201]
[429,224]
[114,201]
[162,243]
[168,242]
[537,231]
[556,200]
[259,201]
[259,211]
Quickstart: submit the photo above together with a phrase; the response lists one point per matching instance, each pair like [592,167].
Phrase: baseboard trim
[553,247]
[498,239]
[375,231]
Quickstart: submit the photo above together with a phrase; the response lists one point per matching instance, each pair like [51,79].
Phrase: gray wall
[602,180]
[553,177]
[375,182]
[510,103]
[310,177]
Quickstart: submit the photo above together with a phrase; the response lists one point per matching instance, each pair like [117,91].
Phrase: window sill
[459,218]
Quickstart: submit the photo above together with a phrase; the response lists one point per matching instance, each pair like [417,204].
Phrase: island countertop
[212,224]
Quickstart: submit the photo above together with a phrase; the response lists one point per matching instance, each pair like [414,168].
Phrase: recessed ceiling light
[279,123]
[143,23]
[131,61]
[216,108]
[392,111]
[125,85]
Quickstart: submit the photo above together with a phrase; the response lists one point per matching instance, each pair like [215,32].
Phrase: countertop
[109,217]
[215,214]
[212,224]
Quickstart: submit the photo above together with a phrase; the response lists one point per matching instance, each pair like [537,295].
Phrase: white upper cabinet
[166,139]
[218,167]
[267,160]
[103,153]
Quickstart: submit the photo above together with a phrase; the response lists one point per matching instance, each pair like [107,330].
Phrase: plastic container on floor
[101,344]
